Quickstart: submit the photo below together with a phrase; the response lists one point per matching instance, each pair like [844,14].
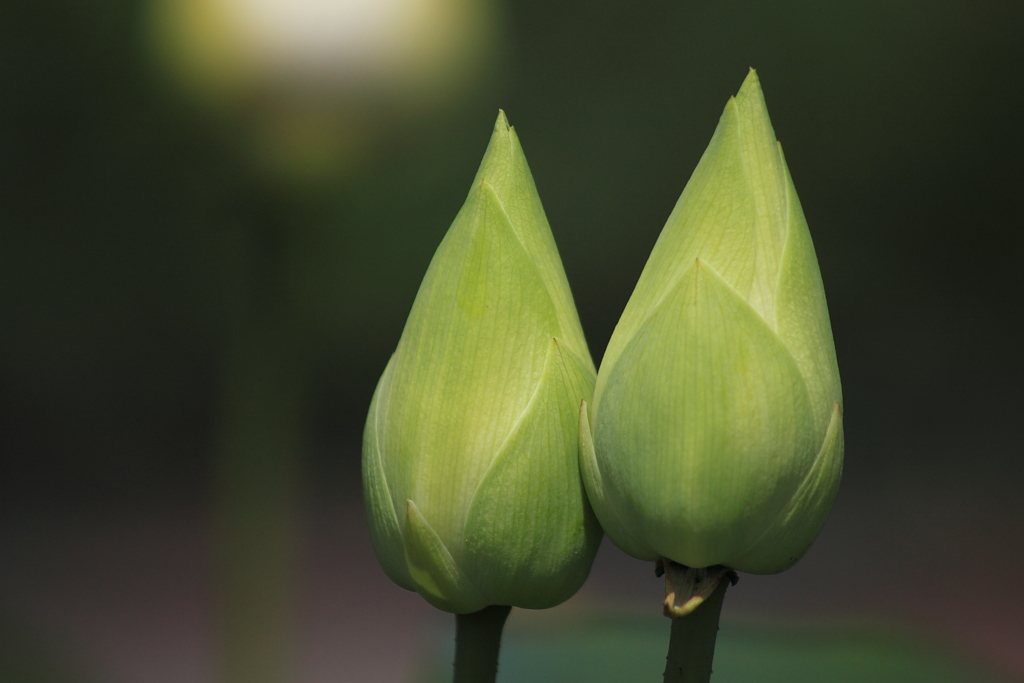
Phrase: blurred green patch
[30,654]
[627,648]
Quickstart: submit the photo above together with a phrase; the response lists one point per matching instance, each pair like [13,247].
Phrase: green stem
[260,429]
[256,519]
[691,645]
[477,639]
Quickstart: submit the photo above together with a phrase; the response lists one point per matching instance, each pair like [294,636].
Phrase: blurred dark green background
[146,234]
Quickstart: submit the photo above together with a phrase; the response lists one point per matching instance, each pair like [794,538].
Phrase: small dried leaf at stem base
[687,588]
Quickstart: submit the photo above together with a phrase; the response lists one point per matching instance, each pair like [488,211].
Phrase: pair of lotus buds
[494,453]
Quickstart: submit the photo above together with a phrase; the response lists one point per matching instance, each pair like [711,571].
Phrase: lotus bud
[715,435]
[470,453]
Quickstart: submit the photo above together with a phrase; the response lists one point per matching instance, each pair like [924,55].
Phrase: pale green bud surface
[470,453]
[715,434]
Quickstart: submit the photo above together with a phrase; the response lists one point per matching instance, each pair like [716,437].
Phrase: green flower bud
[470,462]
[716,432]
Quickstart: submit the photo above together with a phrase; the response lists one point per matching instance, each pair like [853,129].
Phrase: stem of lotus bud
[693,601]
[477,640]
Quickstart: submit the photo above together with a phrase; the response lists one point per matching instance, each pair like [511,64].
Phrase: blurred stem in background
[305,89]
[258,465]
[256,492]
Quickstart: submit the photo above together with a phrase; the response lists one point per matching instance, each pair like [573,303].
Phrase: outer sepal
[711,397]
[617,527]
[385,531]
[473,350]
[802,319]
[792,533]
[437,576]
[505,169]
[531,536]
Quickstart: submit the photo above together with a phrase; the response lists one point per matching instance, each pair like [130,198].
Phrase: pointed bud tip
[750,95]
[502,153]
[501,125]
